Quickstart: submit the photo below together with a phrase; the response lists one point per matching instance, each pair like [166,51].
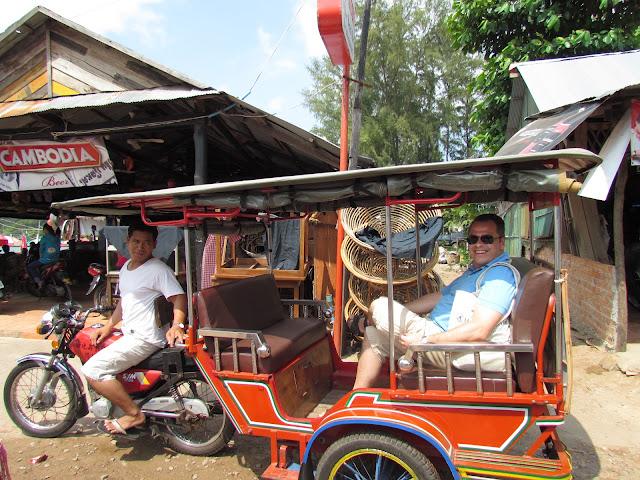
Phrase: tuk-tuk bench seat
[253,304]
[527,320]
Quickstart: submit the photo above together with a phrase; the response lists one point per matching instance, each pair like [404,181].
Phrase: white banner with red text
[38,165]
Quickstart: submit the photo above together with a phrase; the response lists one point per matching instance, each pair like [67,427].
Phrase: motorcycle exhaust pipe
[156,413]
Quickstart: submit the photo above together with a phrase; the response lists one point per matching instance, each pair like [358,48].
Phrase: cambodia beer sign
[48,156]
[37,165]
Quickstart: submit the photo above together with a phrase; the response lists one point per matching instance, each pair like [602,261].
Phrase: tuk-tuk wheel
[375,456]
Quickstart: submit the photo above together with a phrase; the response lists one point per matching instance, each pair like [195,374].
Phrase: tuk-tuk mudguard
[398,424]
[82,408]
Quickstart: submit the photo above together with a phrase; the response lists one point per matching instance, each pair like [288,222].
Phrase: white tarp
[600,178]
[43,165]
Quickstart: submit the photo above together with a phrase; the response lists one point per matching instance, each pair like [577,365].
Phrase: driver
[142,280]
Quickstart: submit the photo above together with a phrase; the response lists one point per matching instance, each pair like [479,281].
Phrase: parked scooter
[44,394]
[98,284]
[55,282]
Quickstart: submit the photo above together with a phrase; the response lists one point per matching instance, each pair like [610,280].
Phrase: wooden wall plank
[61,78]
[26,89]
[108,62]
[60,90]
[79,71]
[14,61]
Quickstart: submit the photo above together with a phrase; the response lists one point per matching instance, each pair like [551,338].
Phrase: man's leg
[369,366]
[115,392]
[102,368]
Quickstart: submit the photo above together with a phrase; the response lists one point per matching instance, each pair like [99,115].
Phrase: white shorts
[405,322]
[117,357]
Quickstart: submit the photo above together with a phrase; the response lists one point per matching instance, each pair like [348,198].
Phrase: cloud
[277,64]
[307,30]
[275,104]
[101,16]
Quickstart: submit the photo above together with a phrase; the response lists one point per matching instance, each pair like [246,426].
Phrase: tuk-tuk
[280,376]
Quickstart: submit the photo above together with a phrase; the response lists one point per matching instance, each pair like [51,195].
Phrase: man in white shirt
[142,280]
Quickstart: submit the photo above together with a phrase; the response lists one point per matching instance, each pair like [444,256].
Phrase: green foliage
[461,217]
[505,32]
[16,227]
[418,107]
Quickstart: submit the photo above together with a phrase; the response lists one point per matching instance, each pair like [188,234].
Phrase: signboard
[545,133]
[336,23]
[41,165]
[48,156]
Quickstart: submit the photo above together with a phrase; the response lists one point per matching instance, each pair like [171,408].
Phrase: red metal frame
[190,216]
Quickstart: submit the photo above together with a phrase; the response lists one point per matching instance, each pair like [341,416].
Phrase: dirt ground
[602,433]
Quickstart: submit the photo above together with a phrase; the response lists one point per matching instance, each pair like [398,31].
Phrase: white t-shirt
[138,290]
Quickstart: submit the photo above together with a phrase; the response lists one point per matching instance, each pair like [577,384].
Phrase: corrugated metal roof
[558,82]
[90,100]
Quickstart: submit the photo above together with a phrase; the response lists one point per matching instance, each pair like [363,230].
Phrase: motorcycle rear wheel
[204,437]
[54,416]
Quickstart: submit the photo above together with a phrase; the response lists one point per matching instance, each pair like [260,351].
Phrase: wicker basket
[351,309]
[371,266]
[363,293]
[402,218]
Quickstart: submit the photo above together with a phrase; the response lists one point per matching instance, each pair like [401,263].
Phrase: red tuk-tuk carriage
[281,377]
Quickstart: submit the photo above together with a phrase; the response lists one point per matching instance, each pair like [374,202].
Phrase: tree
[505,32]
[416,106]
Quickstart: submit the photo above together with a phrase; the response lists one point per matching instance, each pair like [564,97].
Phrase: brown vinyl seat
[254,304]
[527,319]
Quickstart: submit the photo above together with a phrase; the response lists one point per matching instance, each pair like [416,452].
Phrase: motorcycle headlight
[46,324]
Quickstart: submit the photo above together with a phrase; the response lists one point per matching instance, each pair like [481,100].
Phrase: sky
[223,44]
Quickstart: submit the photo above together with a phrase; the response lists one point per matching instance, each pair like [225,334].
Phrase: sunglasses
[485,239]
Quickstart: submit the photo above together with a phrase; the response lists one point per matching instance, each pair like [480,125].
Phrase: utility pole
[357,101]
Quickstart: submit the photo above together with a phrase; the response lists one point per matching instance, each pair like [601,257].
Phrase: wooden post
[621,323]
[199,178]
[357,101]
[200,144]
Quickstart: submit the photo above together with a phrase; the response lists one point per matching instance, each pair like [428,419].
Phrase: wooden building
[60,81]
[585,102]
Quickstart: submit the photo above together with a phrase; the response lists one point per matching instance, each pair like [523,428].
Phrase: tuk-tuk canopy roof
[507,178]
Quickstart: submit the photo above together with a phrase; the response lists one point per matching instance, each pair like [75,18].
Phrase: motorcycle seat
[157,362]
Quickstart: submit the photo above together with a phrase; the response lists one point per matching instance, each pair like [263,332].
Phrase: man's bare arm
[424,304]
[479,329]
[176,333]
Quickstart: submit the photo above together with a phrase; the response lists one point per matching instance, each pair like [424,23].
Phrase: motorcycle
[55,282]
[98,284]
[44,394]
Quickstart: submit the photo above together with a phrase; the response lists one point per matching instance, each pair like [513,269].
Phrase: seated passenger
[486,322]
[142,280]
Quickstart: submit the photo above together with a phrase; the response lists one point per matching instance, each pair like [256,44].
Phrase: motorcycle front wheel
[49,416]
[202,437]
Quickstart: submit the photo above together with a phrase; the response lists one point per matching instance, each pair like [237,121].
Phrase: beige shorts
[405,322]
[117,357]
